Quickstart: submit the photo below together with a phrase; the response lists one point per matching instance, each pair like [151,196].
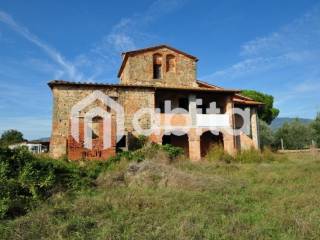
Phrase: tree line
[293,135]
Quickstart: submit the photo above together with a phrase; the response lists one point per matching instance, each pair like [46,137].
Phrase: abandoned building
[148,78]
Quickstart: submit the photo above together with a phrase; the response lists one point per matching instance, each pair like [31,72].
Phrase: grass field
[184,200]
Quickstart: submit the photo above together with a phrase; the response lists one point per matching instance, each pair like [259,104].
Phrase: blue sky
[269,46]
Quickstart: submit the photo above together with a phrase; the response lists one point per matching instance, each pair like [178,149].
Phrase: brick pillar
[194,145]
[254,128]
[228,137]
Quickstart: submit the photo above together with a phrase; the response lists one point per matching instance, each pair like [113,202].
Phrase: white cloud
[297,43]
[284,63]
[68,67]
[127,34]
[303,33]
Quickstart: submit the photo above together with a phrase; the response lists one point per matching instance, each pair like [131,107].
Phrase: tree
[295,135]
[267,113]
[266,134]
[316,129]
[11,137]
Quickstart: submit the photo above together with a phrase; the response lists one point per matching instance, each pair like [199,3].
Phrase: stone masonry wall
[139,70]
[65,97]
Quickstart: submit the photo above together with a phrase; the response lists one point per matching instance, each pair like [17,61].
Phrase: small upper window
[170,63]
[157,66]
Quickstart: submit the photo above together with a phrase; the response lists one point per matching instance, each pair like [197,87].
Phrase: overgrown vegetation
[159,198]
[217,154]
[26,180]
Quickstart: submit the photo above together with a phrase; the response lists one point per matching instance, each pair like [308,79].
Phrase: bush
[172,151]
[217,153]
[150,151]
[249,156]
[26,179]
[135,143]
[256,156]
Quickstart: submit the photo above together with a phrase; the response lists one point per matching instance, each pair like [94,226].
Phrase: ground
[184,200]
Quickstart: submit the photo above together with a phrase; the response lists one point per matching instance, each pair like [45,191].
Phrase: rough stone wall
[134,99]
[139,69]
[65,97]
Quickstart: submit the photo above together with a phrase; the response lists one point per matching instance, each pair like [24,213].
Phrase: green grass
[184,200]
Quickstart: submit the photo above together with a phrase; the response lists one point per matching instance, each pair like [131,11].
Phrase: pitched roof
[128,53]
[154,87]
[238,98]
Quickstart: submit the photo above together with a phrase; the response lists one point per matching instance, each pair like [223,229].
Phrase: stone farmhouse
[148,78]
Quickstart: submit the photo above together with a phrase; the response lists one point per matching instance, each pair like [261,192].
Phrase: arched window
[171,63]
[157,66]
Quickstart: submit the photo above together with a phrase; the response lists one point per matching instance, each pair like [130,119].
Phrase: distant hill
[278,122]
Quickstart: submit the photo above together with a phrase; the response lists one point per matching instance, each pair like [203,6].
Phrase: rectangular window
[157,71]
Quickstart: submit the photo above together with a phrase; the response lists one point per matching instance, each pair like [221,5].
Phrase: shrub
[150,151]
[256,156]
[172,151]
[249,156]
[135,143]
[217,153]
[26,179]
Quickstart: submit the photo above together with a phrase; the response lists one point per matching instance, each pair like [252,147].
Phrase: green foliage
[217,153]
[11,137]
[266,134]
[295,135]
[135,143]
[150,151]
[172,151]
[316,129]
[26,179]
[202,201]
[268,112]
[256,156]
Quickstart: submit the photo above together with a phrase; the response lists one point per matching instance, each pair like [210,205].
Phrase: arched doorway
[177,141]
[207,140]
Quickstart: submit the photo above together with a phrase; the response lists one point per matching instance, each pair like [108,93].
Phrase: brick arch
[177,141]
[207,139]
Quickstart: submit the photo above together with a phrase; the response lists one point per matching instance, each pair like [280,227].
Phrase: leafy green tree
[267,113]
[295,135]
[11,137]
[316,129]
[266,134]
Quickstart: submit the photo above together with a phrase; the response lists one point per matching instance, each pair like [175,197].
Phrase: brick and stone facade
[141,86]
